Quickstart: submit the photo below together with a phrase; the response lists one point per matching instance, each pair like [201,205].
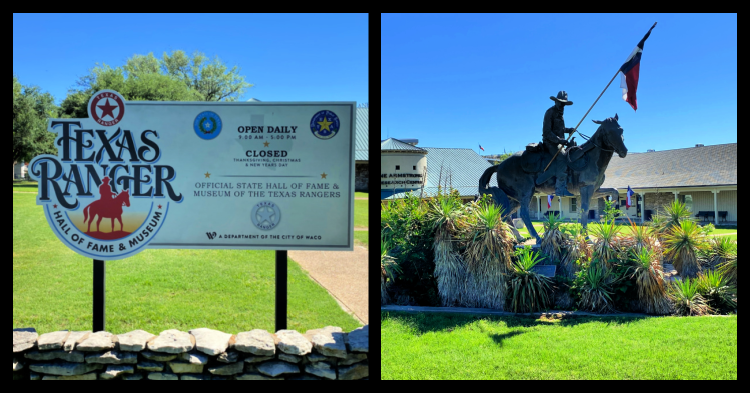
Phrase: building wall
[411,164]
[655,201]
[19,171]
[362,176]
[727,200]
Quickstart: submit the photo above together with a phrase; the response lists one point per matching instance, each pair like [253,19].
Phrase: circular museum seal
[266,215]
[207,125]
[325,124]
[107,107]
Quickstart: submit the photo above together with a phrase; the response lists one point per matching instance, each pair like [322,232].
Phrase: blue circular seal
[325,124]
[207,125]
[266,215]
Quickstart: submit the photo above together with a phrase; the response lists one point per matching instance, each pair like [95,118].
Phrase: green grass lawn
[231,291]
[361,195]
[360,213]
[363,237]
[444,346]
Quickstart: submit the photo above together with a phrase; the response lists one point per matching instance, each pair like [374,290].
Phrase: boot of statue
[561,186]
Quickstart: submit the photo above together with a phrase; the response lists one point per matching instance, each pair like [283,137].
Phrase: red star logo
[55,206]
[107,109]
[159,206]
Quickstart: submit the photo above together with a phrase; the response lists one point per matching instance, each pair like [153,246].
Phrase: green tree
[501,157]
[175,77]
[31,109]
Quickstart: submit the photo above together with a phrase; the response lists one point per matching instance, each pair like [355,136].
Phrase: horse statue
[107,209]
[586,165]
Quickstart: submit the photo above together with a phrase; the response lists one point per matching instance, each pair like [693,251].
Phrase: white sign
[204,175]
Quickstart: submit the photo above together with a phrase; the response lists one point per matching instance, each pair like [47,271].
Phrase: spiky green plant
[388,270]
[596,292]
[676,213]
[686,298]
[720,249]
[489,246]
[553,241]
[715,288]
[649,279]
[683,243]
[450,271]
[577,249]
[605,246]
[528,290]
[729,270]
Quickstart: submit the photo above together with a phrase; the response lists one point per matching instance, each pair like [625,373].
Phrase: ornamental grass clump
[683,243]
[605,247]
[719,251]
[528,291]
[686,298]
[553,241]
[489,246]
[388,270]
[577,249]
[594,285]
[716,290]
[450,271]
[649,279]
[729,270]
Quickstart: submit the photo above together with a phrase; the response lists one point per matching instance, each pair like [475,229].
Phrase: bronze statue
[553,134]
[582,168]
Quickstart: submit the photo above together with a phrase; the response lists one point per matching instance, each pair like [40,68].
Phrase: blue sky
[312,57]
[465,80]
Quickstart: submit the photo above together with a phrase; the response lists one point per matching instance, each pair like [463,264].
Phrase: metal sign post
[281,290]
[99,287]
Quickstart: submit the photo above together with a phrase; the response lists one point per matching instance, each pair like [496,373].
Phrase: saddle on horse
[535,158]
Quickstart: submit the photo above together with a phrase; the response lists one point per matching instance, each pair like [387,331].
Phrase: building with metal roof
[361,150]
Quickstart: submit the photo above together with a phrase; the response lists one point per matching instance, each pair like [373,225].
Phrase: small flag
[480,146]
[630,70]
[628,203]
[549,201]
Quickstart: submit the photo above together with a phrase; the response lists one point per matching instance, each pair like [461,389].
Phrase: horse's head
[612,136]
[124,197]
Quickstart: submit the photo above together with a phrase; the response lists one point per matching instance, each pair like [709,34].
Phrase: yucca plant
[596,291]
[686,298]
[489,246]
[450,271]
[676,214]
[553,241]
[649,279]
[577,249]
[683,243]
[729,270]
[720,249]
[605,247]
[715,288]
[528,290]
[388,270]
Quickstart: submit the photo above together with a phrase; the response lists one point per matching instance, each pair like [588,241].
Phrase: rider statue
[553,134]
[105,190]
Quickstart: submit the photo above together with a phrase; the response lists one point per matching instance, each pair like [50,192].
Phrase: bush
[527,290]
[687,300]
[444,215]
[683,243]
[719,294]
[652,290]
[594,287]
[605,248]
[388,270]
[553,240]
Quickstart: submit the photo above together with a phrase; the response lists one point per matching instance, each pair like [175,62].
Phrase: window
[688,201]
[414,167]
[398,167]
[572,204]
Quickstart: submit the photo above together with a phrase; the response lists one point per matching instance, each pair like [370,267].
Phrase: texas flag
[480,146]
[630,70]
[549,201]
[628,203]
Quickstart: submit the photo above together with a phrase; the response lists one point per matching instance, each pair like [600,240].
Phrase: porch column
[676,193]
[559,204]
[538,207]
[716,208]
[642,196]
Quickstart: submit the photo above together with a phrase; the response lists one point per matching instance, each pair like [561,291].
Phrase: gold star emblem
[324,175]
[266,144]
[208,175]
[325,124]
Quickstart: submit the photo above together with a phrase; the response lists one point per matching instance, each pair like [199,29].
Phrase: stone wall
[361,177]
[200,354]
[655,201]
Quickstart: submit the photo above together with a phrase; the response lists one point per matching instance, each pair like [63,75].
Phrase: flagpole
[587,112]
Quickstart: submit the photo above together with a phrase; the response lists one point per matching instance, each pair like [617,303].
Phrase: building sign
[219,175]
[401,179]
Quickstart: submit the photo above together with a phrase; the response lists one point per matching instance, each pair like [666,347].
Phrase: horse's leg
[526,220]
[509,220]
[97,223]
[113,224]
[121,227]
[586,193]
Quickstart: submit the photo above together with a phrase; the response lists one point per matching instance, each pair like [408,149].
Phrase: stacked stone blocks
[200,354]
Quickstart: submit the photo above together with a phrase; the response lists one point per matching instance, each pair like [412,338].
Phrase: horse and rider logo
[109,206]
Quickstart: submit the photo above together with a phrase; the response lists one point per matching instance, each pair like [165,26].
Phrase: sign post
[99,293]
[137,175]
[281,290]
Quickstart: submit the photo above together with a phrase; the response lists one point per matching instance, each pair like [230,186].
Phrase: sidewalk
[343,273]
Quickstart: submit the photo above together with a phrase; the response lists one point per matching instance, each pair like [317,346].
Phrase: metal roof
[362,135]
[693,166]
[393,144]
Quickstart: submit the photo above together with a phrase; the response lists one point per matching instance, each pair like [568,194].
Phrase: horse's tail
[86,213]
[496,193]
